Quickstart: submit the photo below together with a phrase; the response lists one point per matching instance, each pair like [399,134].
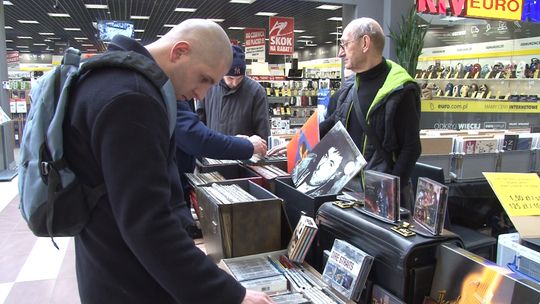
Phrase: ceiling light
[242,1]
[328,42]
[339,27]
[28,21]
[268,14]
[335,33]
[46,34]
[138,39]
[24,51]
[329,7]
[54,38]
[169,25]
[140,17]
[303,40]
[24,37]
[87,44]
[97,6]
[7,27]
[216,20]
[59,15]
[81,38]
[308,37]
[72,29]
[9,49]
[9,40]
[47,40]
[22,46]
[40,44]
[236,28]
[299,31]
[159,36]
[138,31]
[335,19]
[91,50]
[185,10]
[7,2]
[307,44]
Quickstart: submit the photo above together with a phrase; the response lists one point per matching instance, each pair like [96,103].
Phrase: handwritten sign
[519,193]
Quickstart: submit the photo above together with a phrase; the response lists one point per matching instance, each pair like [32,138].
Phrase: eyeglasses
[343,44]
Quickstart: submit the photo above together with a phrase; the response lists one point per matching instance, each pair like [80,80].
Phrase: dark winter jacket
[194,139]
[133,249]
[243,110]
[394,115]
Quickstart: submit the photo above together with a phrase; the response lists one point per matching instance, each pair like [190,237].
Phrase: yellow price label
[519,193]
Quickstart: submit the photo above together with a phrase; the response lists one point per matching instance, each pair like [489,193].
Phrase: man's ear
[366,43]
[179,49]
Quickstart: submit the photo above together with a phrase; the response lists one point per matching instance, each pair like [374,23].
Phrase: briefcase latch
[404,228]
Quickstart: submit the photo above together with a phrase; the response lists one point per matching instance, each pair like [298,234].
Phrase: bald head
[206,37]
[195,55]
[367,26]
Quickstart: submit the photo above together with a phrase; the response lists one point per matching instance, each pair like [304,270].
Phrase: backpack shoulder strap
[142,65]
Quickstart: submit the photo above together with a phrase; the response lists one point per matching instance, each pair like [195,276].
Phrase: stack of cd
[303,235]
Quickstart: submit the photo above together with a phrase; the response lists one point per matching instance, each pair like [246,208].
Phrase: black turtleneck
[369,83]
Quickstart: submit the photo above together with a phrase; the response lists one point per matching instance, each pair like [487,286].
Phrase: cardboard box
[436,145]
[243,228]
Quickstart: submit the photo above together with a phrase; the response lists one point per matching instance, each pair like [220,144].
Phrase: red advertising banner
[281,36]
[255,43]
[12,57]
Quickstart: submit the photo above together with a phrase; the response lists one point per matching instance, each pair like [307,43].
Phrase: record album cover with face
[332,163]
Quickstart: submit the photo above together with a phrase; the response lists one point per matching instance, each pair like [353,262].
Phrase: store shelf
[478,79]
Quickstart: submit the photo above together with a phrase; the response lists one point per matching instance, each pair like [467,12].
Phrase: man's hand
[254,297]
[259,145]
[280,149]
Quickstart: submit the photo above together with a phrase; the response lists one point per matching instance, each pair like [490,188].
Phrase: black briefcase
[403,265]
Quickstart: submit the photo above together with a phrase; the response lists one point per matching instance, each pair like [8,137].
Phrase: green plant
[409,40]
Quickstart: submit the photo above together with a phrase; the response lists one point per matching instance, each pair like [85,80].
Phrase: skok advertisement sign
[281,33]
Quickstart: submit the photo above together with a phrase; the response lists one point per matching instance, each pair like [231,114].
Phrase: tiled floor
[32,270]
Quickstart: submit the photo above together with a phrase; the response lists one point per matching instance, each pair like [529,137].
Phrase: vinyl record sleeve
[303,142]
[333,162]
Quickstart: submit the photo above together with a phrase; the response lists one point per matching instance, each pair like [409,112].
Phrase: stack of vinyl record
[268,171]
[210,161]
[197,179]
[228,194]
[302,237]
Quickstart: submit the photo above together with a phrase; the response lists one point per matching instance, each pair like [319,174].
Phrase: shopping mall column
[8,167]
[388,13]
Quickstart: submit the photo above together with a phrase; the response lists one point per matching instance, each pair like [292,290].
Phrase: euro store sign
[496,9]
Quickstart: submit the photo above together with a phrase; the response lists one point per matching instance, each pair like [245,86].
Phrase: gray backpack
[53,201]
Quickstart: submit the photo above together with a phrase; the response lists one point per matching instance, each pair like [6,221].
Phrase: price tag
[519,193]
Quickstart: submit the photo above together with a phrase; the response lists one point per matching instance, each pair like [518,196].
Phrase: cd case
[430,206]
[381,196]
[347,269]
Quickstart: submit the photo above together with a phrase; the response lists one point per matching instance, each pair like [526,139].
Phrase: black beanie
[238,67]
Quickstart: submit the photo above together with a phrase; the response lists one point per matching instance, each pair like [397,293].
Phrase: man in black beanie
[237,105]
